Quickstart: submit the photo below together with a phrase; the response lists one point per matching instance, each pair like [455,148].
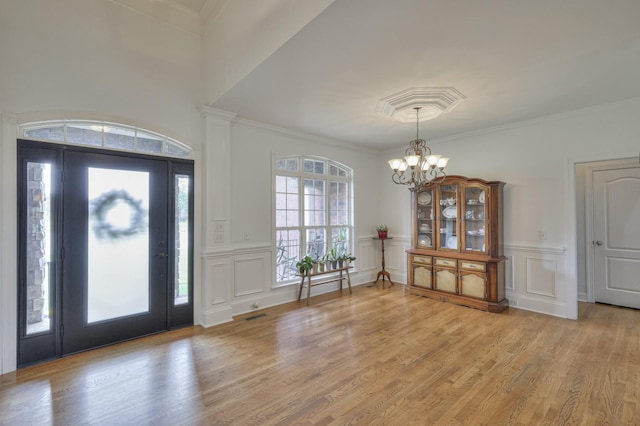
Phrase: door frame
[589,258]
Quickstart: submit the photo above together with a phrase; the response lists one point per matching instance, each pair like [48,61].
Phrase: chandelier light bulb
[412,160]
[395,163]
[433,159]
[442,163]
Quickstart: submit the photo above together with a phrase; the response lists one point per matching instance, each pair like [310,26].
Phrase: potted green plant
[305,265]
[349,258]
[333,259]
[327,262]
[382,231]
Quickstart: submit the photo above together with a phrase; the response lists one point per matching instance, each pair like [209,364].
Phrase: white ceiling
[513,60]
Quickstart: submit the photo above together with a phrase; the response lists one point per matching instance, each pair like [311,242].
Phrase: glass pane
[290,164]
[149,143]
[85,134]
[55,133]
[119,141]
[177,150]
[314,166]
[314,212]
[38,246]
[118,231]
[337,171]
[339,203]
[448,216]
[292,185]
[281,184]
[340,240]
[181,279]
[308,166]
[287,253]
[293,219]
[287,204]
[425,219]
[475,219]
[316,243]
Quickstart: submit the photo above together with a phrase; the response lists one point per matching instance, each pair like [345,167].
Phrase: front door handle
[162,255]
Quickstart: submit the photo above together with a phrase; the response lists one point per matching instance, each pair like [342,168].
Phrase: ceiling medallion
[432,101]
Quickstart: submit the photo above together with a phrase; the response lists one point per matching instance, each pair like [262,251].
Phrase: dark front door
[115,238]
[105,245]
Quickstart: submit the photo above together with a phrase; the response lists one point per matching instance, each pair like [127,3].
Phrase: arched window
[313,211]
[106,135]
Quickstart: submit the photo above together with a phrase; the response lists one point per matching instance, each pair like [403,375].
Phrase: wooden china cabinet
[457,243]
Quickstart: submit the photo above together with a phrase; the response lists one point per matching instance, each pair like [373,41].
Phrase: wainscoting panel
[217,273]
[541,276]
[252,271]
[367,258]
[533,278]
[509,278]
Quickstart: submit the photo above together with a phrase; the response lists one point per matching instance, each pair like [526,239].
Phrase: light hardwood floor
[374,357]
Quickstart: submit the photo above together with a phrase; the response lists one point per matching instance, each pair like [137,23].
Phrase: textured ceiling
[513,60]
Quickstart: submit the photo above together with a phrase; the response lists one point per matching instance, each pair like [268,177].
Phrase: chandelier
[419,167]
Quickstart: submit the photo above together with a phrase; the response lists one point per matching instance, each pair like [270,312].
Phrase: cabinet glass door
[425,219]
[475,219]
[448,217]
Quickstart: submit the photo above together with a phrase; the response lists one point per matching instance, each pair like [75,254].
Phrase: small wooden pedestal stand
[383,273]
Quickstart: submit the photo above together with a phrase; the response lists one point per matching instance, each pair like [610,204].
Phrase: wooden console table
[309,284]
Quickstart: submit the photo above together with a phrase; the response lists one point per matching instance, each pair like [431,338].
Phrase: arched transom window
[111,136]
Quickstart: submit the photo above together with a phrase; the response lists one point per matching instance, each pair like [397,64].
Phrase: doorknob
[598,243]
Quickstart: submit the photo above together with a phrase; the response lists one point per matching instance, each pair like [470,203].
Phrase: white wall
[69,58]
[238,272]
[94,60]
[537,160]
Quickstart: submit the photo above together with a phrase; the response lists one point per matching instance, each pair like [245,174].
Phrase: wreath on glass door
[106,228]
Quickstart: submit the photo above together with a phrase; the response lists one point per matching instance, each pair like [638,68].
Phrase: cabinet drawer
[473,266]
[422,259]
[450,263]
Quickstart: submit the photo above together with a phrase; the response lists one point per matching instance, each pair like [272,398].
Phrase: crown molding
[307,136]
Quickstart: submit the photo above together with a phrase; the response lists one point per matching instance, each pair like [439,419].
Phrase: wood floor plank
[374,357]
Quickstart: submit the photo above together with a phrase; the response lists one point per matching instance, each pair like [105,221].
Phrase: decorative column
[217,270]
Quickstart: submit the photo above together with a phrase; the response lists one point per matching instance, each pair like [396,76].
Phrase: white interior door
[616,223]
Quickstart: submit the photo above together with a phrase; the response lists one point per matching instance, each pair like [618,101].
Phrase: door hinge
[62,254]
[61,330]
